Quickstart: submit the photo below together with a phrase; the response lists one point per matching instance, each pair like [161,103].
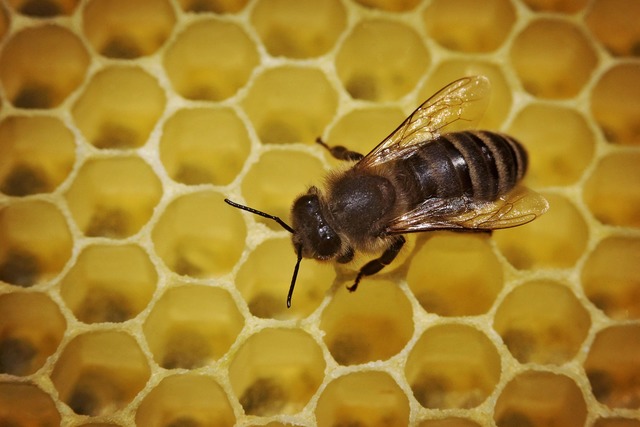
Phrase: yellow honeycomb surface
[131,294]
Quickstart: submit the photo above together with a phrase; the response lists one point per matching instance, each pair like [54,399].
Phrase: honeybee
[420,178]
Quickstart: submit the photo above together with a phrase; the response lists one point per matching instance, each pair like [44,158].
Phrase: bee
[422,177]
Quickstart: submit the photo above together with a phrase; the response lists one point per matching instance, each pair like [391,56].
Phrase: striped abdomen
[478,164]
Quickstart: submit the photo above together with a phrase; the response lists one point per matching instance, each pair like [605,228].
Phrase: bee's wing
[464,99]
[519,206]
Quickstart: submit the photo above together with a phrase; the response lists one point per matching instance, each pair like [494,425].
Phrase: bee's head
[311,235]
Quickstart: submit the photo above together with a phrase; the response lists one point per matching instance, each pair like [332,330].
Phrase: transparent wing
[462,100]
[518,207]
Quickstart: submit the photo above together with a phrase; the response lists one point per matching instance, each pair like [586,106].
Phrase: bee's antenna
[262,214]
[295,275]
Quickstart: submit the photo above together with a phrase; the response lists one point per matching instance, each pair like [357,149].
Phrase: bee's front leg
[375,265]
[340,152]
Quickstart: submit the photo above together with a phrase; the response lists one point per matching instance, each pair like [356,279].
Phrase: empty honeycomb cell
[109,283]
[612,366]
[276,371]
[201,67]
[614,24]
[390,5]
[199,235]
[36,154]
[299,29]
[23,404]
[610,277]
[555,240]
[616,422]
[547,68]
[468,25]
[354,322]
[449,422]
[192,325]
[119,107]
[121,29]
[31,327]
[455,274]
[36,242]
[561,6]
[492,110]
[290,104]
[272,184]
[100,372]
[363,398]
[216,6]
[44,8]
[612,192]
[41,66]
[265,288]
[542,322]
[615,104]
[187,400]
[452,366]
[204,146]
[381,60]
[560,150]
[114,196]
[539,399]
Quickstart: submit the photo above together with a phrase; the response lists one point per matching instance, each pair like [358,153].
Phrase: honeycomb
[130,294]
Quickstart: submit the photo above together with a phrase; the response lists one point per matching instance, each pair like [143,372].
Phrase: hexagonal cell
[215,6]
[469,25]
[612,192]
[125,30]
[269,378]
[616,422]
[555,240]
[354,322]
[452,366]
[109,283]
[612,366]
[299,29]
[499,100]
[290,104]
[455,274]
[41,66]
[31,327]
[389,5]
[186,400]
[548,69]
[119,107]
[381,60]
[615,104]
[191,243]
[100,372]
[202,68]
[363,398]
[614,24]
[542,322]
[43,8]
[264,287]
[273,183]
[449,422]
[36,242]
[560,150]
[26,405]
[562,6]
[610,277]
[539,399]
[36,154]
[204,146]
[190,326]
[113,197]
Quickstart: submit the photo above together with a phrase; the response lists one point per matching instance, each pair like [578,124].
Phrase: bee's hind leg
[340,152]
[375,265]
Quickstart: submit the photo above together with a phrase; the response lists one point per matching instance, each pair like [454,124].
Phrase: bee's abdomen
[477,164]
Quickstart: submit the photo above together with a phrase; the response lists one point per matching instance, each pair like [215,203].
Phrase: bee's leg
[375,265]
[340,152]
